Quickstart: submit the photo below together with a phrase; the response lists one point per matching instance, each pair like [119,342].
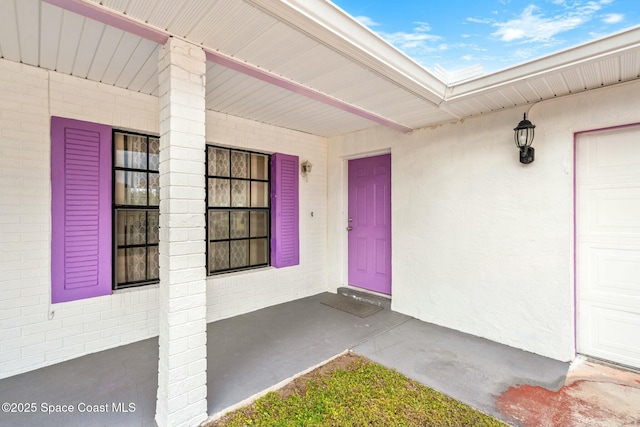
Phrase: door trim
[344,274]
[576,135]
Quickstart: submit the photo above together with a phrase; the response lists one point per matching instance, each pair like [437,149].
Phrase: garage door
[608,244]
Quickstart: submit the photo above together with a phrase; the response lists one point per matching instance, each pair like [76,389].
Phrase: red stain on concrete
[536,406]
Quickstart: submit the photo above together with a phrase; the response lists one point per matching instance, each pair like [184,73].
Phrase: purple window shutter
[285,248]
[80,210]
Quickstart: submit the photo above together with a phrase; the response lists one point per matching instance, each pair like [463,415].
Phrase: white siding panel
[151,86]
[285,44]
[517,95]
[630,66]
[122,58]
[592,75]
[541,87]
[610,71]
[70,37]
[190,18]
[165,13]
[315,56]
[145,50]
[87,49]
[106,49]
[141,10]
[9,42]
[50,36]
[557,84]
[28,12]
[574,80]
[147,73]
[236,23]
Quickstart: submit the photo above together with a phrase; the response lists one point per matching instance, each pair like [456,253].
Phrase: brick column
[182,370]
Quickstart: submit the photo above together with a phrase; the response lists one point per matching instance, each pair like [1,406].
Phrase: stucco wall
[35,333]
[481,243]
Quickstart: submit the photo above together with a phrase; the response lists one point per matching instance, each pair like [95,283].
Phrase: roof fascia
[328,24]
[587,52]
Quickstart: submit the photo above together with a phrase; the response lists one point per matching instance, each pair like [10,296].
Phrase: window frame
[249,209]
[116,208]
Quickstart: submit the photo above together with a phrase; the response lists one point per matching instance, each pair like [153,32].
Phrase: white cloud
[366,21]
[613,18]
[409,40]
[419,39]
[533,26]
[478,21]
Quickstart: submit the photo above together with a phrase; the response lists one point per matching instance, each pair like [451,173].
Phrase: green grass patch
[352,391]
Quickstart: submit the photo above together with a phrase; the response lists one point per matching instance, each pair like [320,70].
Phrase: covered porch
[251,353]
[327,90]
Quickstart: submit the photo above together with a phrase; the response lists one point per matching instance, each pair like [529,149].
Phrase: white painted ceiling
[350,78]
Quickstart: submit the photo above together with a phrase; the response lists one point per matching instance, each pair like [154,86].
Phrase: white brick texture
[28,97]
[182,371]
[236,293]
[33,332]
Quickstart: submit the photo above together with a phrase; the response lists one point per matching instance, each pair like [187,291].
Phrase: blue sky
[456,34]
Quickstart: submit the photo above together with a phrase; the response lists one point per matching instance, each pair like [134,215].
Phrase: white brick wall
[30,335]
[182,378]
[236,293]
[33,332]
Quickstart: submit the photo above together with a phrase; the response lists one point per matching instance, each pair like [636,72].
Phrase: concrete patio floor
[250,353]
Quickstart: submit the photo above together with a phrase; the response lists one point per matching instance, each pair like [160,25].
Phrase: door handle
[349,228]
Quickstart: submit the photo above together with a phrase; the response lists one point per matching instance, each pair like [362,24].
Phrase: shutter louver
[81,210]
[285,248]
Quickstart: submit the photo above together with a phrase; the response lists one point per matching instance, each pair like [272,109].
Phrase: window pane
[154,154]
[218,225]
[219,195]
[136,264]
[259,194]
[238,199]
[218,161]
[239,194]
[239,164]
[153,265]
[154,189]
[121,262]
[153,229]
[131,151]
[219,256]
[258,251]
[131,188]
[131,228]
[259,166]
[239,224]
[239,253]
[259,224]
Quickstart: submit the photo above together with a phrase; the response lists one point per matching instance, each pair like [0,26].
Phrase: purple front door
[370,223]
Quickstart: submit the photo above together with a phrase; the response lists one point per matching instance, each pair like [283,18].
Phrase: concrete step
[365,297]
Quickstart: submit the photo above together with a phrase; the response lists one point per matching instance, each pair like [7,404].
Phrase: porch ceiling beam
[109,17]
[276,80]
[114,19]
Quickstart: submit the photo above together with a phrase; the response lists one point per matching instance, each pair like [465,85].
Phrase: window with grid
[238,217]
[136,199]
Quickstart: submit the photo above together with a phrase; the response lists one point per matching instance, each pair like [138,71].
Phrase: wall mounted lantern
[305,169]
[524,137]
